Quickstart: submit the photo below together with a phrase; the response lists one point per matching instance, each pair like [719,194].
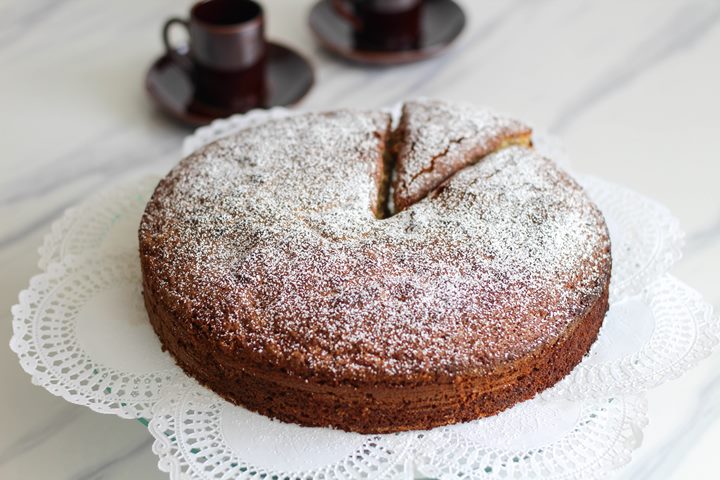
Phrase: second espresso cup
[227,52]
[385,25]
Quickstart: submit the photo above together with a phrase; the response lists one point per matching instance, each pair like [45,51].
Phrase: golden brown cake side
[269,278]
[375,407]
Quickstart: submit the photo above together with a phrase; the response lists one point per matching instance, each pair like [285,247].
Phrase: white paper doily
[81,331]
[199,435]
[557,439]
[104,222]
[645,340]
[646,239]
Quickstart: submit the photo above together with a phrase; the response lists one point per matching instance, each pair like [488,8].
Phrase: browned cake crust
[375,407]
[269,278]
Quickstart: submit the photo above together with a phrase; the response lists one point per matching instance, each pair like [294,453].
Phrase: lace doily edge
[42,377]
[708,326]
[631,437]
[411,463]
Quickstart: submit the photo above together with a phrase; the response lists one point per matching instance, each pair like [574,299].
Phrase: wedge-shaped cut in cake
[436,139]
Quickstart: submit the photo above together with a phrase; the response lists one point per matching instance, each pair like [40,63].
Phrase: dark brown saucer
[289,78]
[441,23]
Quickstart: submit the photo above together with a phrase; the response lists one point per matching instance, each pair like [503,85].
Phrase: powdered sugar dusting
[439,138]
[268,242]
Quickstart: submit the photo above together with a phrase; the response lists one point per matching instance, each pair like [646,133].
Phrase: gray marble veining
[75,118]
[36,437]
[681,31]
[99,471]
[705,237]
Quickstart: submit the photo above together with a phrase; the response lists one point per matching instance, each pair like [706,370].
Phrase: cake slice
[435,139]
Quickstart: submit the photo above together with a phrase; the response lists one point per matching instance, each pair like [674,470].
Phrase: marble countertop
[631,87]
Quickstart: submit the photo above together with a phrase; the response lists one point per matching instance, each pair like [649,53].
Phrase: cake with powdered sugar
[331,269]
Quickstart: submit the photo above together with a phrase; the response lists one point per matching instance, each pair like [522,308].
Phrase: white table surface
[633,88]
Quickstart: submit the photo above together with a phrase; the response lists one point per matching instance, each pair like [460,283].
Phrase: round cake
[334,269]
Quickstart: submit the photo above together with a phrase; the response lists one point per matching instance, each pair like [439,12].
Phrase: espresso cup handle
[344,9]
[181,60]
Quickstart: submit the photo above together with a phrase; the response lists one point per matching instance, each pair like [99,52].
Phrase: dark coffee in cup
[383,25]
[226,53]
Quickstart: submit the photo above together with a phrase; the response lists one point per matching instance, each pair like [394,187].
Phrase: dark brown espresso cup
[384,25]
[226,53]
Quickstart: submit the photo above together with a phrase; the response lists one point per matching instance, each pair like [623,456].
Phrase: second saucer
[386,32]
